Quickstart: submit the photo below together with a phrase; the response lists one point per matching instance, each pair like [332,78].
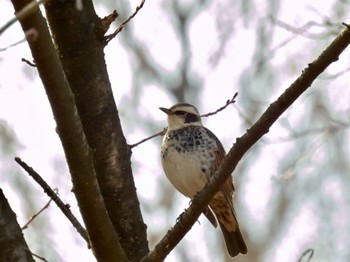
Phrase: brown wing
[227,188]
[228,223]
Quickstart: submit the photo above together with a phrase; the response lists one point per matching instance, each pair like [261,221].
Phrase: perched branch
[48,190]
[228,102]
[108,38]
[244,143]
[36,215]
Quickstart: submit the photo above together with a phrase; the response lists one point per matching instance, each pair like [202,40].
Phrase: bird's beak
[166,110]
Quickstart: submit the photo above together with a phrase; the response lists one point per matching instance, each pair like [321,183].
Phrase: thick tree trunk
[103,237]
[78,35]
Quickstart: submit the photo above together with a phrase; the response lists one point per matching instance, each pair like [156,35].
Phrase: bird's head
[181,115]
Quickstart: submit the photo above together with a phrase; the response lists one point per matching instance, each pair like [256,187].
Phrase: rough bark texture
[103,238]
[13,247]
[78,35]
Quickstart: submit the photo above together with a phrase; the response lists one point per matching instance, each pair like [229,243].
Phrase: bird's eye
[179,113]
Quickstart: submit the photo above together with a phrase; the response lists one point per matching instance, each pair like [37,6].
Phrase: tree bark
[13,247]
[103,238]
[78,35]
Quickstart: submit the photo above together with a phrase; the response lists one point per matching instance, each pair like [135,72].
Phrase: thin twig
[28,62]
[309,252]
[47,189]
[228,102]
[347,25]
[108,38]
[161,133]
[36,215]
[12,45]
[39,257]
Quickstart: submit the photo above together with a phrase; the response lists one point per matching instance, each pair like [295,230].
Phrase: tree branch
[103,238]
[108,38]
[48,190]
[161,133]
[32,64]
[228,102]
[39,257]
[308,252]
[31,219]
[244,143]
[81,50]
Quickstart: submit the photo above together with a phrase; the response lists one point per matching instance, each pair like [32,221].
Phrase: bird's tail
[234,241]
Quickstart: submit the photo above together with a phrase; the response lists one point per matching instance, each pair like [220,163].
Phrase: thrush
[190,155]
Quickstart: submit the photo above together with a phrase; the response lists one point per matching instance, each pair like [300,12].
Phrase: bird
[190,155]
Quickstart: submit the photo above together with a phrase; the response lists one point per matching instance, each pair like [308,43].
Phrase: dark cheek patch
[190,118]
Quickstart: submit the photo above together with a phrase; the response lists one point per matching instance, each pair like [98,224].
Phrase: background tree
[311,121]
